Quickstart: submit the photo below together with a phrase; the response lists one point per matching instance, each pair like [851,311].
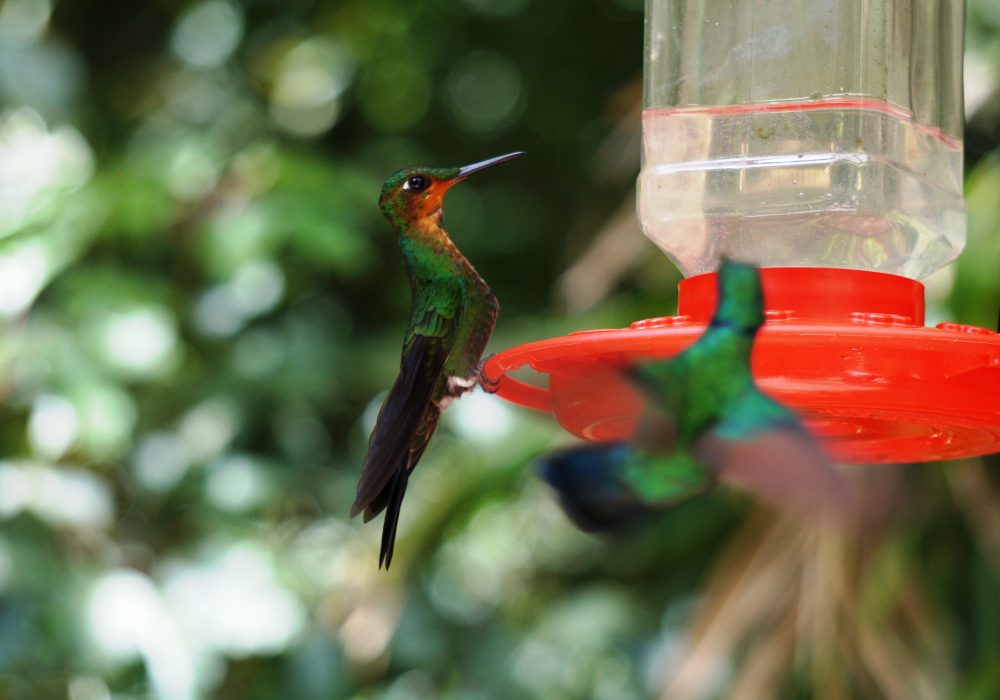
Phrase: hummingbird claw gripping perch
[489,385]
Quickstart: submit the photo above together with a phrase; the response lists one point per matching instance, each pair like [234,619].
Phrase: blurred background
[200,310]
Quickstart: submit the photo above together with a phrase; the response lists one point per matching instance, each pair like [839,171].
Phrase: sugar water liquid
[836,182]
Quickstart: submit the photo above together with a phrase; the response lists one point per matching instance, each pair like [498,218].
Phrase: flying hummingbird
[452,314]
[706,420]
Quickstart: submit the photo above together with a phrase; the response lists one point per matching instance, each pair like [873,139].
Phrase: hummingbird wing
[409,414]
[778,461]
[612,486]
[391,445]
[607,487]
[417,446]
[399,418]
[589,487]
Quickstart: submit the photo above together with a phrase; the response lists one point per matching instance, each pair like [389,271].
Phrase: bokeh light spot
[234,602]
[191,173]
[140,341]
[310,79]
[107,417]
[207,428]
[52,425]
[236,483]
[87,688]
[208,33]
[254,289]
[24,270]
[36,163]
[367,631]
[160,461]
[484,92]
[257,287]
[24,20]
[216,312]
[480,418]
[60,497]
[128,619]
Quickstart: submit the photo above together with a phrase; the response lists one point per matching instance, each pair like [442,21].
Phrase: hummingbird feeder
[821,141]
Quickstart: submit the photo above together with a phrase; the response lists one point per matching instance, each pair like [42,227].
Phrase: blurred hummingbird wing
[781,464]
[610,486]
[404,410]
[666,479]
[588,484]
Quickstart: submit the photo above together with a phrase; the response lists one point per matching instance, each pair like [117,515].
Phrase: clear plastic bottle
[825,133]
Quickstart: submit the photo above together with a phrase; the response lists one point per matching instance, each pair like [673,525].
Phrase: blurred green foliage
[200,307]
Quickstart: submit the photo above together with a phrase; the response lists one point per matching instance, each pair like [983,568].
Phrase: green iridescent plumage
[452,314]
[706,420]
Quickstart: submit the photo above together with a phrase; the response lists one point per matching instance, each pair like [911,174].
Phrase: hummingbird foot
[489,386]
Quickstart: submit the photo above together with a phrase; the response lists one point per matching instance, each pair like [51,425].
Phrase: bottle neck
[818,294]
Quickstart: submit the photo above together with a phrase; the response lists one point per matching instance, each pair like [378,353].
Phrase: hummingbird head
[741,298]
[417,193]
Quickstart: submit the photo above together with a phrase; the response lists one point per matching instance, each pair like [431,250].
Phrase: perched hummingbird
[452,314]
[706,420]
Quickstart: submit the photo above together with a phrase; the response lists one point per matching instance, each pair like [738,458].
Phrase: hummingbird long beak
[467,170]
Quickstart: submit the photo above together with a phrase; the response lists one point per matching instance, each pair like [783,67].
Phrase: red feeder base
[847,349]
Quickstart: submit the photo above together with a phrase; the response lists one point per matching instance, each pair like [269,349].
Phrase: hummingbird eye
[417,183]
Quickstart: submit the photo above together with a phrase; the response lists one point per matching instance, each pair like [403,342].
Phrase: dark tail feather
[589,490]
[391,521]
